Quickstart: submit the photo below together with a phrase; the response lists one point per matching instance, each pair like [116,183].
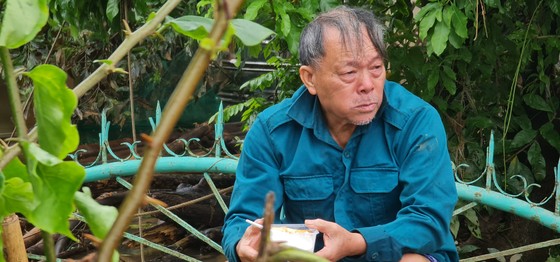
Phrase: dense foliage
[485,65]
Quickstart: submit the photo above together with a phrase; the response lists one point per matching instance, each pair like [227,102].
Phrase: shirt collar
[306,110]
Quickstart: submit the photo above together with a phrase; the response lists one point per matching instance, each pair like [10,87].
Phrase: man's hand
[339,242]
[248,247]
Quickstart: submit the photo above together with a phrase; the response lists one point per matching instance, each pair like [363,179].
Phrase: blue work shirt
[393,182]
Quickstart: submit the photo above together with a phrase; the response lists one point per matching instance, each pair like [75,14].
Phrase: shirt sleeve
[428,195]
[256,167]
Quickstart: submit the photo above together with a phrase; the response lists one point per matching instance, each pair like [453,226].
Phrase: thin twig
[188,203]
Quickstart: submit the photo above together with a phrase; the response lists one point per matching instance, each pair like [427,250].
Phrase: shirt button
[347,154]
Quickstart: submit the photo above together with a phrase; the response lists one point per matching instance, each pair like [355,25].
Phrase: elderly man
[355,156]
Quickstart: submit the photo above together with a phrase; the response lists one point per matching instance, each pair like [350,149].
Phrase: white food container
[294,235]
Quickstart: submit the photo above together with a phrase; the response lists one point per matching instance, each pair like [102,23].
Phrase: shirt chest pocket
[308,197]
[377,192]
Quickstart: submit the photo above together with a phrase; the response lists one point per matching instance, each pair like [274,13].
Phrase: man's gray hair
[348,21]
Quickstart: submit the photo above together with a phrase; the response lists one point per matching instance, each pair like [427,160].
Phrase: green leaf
[58,184]
[427,23]
[250,33]
[482,122]
[196,27]
[524,137]
[449,79]
[537,102]
[554,6]
[43,156]
[439,38]
[54,106]
[449,72]
[455,40]
[286,23]
[433,79]
[459,22]
[551,135]
[99,218]
[516,168]
[536,159]
[429,7]
[15,168]
[522,121]
[112,9]
[17,197]
[448,13]
[22,20]
[492,3]
[253,9]
[473,225]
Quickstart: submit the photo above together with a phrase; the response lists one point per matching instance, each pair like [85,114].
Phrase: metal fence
[218,159]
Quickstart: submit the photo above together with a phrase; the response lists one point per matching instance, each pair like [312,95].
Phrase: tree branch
[173,110]
[103,70]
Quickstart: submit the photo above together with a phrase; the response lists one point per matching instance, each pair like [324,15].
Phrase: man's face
[348,81]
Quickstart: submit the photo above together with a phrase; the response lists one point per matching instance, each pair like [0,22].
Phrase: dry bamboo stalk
[13,240]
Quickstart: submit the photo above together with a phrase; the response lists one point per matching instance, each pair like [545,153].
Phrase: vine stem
[13,93]
[173,110]
[103,70]
[511,98]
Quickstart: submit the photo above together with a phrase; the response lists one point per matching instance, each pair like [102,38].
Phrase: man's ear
[306,75]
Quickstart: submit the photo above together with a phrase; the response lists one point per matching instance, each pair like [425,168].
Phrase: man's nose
[366,83]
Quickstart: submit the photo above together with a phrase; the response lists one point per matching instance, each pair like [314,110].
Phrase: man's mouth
[367,107]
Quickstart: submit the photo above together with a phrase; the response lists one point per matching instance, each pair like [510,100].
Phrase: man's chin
[363,122]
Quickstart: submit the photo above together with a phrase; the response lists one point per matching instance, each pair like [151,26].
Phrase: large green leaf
[60,182]
[16,192]
[23,19]
[439,38]
[54,106]
[113,9]
[429,7]
[15,168]
[17,197]
[250,33]
[253,9]
[523,137]
[99,218]
[426,23]
[480,121]
[551,135]
[516,172]
[459,21]
[536,159]
[196,27]
[537,102]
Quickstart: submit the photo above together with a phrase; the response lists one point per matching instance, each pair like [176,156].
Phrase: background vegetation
[484,64]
